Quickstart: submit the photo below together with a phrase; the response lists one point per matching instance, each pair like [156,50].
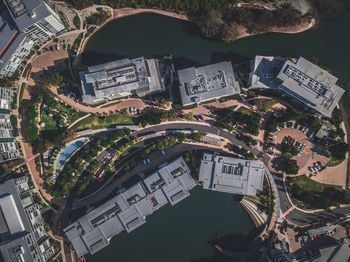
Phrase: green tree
[339,150]
[53,79]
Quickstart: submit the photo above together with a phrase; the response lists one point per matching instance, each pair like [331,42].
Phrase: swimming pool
[68,151]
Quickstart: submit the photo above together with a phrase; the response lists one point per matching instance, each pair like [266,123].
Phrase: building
[121,78]
[207,82]
[9,148]
[316,232]
[263,71]
[22,229]
[14,46]
[36,19]
[303,81]
[27,22]
[128,210]
[231,175]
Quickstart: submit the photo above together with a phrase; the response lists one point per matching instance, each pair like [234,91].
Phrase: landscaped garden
[229,119]
[309,194]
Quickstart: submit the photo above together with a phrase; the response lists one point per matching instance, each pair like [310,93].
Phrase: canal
[182,233]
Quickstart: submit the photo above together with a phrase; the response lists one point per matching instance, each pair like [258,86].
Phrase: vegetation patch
[105,121]
[313,195]
[76,22]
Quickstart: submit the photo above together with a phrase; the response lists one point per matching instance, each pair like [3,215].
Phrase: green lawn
[97,122]
[308,184]
[50,123]
[334,162]
[245,110]
[71,113]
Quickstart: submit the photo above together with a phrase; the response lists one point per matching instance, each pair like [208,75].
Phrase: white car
[144,161]
[163,153]
[148,160]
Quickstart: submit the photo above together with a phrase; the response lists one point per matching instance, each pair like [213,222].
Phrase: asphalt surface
[296,216]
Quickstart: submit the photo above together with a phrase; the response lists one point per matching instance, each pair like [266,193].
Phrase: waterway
[181,233]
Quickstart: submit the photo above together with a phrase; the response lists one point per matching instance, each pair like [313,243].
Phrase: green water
[181,233]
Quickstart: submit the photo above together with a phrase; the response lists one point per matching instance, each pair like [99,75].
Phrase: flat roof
[10,39]
[231,175]
[27,12]
[207,82]
[120,78]
[264,70]
[311,85]
[128,210]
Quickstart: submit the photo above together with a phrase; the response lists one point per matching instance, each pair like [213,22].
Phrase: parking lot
[311,154]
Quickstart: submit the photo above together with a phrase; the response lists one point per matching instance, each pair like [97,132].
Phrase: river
[181,233]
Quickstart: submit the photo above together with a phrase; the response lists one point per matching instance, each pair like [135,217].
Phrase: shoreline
[242,31]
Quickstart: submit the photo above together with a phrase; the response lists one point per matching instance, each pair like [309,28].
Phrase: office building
[207,82]
[9,148]
[303,81]
[128,210]
[35,18]
[27,22]
[14,46]
[121,78]
[231,175]
[23,237]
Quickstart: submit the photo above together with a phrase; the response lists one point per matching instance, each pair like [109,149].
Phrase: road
[158,159]
[296,216]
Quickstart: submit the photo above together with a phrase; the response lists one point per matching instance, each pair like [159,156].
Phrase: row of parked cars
[295,125]
[297,144]
[317,166]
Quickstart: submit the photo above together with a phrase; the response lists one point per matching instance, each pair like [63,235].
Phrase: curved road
[296,216]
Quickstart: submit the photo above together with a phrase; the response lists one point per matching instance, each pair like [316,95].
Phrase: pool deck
[67,159]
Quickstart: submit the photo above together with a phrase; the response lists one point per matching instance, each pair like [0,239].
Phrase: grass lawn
[50,123]
[308,184]
[245,110]
[70,112]
[334,162]
[97,122]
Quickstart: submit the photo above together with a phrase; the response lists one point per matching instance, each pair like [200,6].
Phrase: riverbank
[304,25]
[122,12]
[299,28]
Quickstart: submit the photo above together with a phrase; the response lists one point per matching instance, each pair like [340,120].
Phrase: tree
[181,137]
[53,79]
[162,102]
[189,116]
[338,150]
[291,166]
[229,32]
[211,24]
[196,137]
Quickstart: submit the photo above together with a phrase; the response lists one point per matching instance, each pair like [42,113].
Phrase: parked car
[58,47]
[295,125]
[163,153]
[148,160]
[200,117]
[144,161]
[311,135]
